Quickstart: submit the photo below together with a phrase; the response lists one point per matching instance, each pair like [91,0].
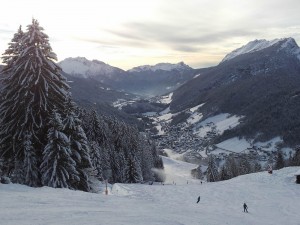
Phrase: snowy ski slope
[272,200]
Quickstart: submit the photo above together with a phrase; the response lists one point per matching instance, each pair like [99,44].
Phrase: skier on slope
[198,199]
[270,169]
[245,207]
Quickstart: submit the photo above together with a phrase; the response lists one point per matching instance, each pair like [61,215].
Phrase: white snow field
[272,200]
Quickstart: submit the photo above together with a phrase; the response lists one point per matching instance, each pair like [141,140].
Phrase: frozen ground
[272,200]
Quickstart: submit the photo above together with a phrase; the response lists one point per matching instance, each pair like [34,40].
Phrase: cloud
[169,30]
[6,31]
[175,37]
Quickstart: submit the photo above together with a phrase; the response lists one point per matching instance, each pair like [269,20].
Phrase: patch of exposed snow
[196,107]
[194,118]
[166,99]
[166,117]
[287,152]
[197,75]
[219,122]
[269,145]
[234,145]
[239,145]
[120,103]
[202,131]
[160,131]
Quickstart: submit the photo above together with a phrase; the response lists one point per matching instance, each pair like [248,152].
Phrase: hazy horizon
[131,33]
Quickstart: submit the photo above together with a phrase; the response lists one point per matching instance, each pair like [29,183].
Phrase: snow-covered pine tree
[224,173]
[32,87]
[133,172]
[118,153]
[279,161]
[116,141]
[58,168]
[295,161]
[115,166]
[96,159]
[79,146]
[232,168]
[1,167]
[98,136]
[14,48]
[18,174]
[104,143]
[93,127]
[134,151]
[257,167]
[84,116]
[212,174]
[158,162]
[31,170]
[6,140]
[244,165]
[197,172]
[147,161]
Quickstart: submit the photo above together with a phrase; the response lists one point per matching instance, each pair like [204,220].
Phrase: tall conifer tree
[212,170]
[79,146]
[14,48]
[33,86]
[58,168]
[31,170]
[7,144]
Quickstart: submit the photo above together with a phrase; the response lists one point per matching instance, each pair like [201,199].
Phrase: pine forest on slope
[46,140]
[255,85]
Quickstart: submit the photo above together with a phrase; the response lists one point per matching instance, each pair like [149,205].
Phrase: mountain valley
[253,91]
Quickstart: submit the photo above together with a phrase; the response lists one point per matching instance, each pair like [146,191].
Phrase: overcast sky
[128,33]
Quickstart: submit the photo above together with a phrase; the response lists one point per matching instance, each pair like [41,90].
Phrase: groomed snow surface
[272,199]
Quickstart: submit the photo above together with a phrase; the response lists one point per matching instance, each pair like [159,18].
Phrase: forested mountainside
[46,140]
[261,85]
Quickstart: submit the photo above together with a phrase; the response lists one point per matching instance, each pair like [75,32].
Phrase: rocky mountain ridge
[143,80]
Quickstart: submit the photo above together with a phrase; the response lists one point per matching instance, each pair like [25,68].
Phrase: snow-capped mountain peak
[288,44]
[161,66]
[82,67]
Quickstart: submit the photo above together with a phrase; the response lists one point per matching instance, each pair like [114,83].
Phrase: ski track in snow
[272,199]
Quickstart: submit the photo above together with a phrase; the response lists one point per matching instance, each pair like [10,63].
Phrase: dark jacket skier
[198,199]
[245,207]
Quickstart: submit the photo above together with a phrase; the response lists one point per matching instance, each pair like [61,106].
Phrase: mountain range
[143,80]
[258,82]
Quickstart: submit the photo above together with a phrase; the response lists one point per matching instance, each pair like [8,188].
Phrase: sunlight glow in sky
[128,33]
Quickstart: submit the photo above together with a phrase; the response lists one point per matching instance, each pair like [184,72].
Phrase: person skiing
[270,169]
[198,199]
[245,207]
